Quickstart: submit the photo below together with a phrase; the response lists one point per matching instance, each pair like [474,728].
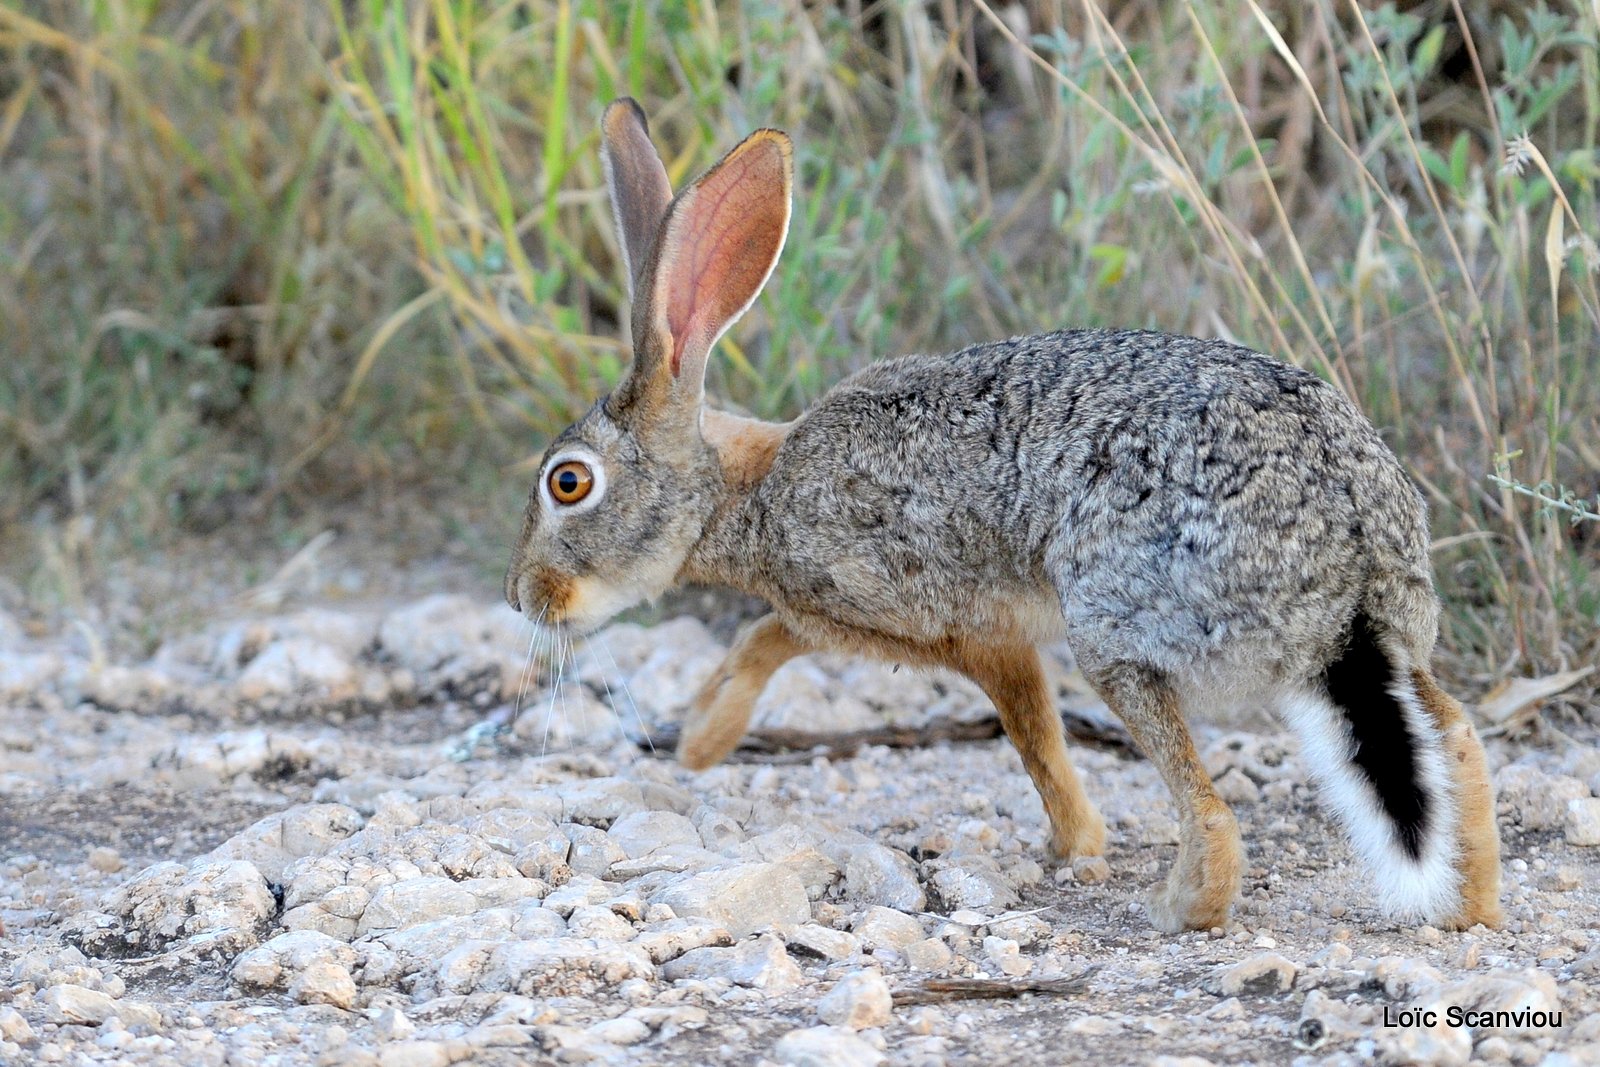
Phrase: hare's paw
[1204,882]
[1083,834]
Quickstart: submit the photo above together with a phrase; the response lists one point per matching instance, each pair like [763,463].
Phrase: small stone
[1091,870]
[105,860]
[1266,973]
[1003,953]
[77,1005]
[640,833]
[1235,787]
[929,954]
[825,1046]
[761,963]
[823,942]
[1536,800]
[393,1025]
[324,982]
[415,1054]
[745,899]
[857,1001]
[884,927]
[1025,930]
[976,885]
[13,1027]
[1582,826]
[620,1031]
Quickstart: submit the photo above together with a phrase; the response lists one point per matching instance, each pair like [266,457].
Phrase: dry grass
[250,248]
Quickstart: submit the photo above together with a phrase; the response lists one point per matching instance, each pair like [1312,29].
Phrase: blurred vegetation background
[257,251]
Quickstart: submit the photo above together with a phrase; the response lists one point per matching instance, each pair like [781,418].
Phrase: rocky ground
[324,837]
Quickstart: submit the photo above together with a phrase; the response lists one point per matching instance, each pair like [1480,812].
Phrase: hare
[1197,520]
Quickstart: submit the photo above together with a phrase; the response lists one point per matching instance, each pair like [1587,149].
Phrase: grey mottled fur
[1196,507]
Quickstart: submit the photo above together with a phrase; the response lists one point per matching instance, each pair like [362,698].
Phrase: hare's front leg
[1204,882]
[1013,679]
[720,712]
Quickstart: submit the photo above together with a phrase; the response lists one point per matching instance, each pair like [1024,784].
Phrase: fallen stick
[943,990]
[801,746]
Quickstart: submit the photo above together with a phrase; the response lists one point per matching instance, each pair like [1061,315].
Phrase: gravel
[327,837]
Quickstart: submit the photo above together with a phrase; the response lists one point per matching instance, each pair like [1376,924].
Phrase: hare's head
[624,493]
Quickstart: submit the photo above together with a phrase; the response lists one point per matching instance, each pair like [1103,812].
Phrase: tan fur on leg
[720,712]
[1014,680]
[1478,839]
[1205,880]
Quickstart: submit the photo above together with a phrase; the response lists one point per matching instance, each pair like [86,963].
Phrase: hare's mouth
[579,604]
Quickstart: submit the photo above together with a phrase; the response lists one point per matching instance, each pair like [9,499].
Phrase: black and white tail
[1376,757]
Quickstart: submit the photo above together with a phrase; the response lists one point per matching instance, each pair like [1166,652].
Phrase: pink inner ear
[725,236]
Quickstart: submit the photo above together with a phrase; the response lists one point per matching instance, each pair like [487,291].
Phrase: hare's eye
[571,481]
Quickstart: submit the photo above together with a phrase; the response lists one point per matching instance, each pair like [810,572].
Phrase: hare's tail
[1378,759]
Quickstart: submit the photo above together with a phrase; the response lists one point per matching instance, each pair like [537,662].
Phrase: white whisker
[622,680]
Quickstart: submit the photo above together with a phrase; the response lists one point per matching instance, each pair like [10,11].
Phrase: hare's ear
[716,247]
[636,180]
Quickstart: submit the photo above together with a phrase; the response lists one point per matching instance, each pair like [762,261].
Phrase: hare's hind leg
[1477,838]
[1013,679]
[720,712]
[1205,880]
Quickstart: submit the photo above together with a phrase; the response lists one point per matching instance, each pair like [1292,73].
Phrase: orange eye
[570,482]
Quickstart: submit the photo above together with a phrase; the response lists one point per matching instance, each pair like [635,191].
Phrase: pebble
[1582,823]
[1263,974]
[745,898]
[324,982]
[106,860]
[886,928]
[826,1046]
[760,963]
[857,1001]
[1091,870]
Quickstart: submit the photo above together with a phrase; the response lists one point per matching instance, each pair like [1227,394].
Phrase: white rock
[227,904]
[599,801]
[273,964]
[857,1001]
[13,1027]
[76,1005]
[1582,825]
[822,941]
[424,899]
[548,967]
[1003,953]
[323,982]
[593,851]
[1536,800]
[620,1031]
[745,898]
[1026,930]
[886,928]
[669,939]
[929,954]
[391,1024]
[300,668]
[825,1046]
[874,874]
[1266,973]
[274,842]
[973,886]
[1440,1045]
[414,1054]
[640,833]
[451,642]
[762,963]
[600,923]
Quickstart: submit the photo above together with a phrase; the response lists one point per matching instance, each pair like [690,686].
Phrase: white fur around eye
[596,470]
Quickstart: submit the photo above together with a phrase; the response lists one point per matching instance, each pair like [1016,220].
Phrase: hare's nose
[513,589]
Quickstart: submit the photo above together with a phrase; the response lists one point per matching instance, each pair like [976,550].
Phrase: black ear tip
[632,105]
